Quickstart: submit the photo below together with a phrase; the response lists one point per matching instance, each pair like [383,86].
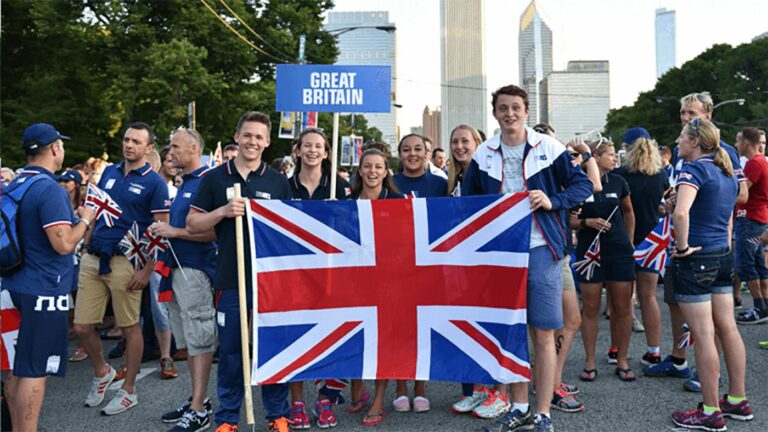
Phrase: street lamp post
[739,101]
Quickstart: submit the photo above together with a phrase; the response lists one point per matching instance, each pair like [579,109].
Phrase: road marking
[142,373]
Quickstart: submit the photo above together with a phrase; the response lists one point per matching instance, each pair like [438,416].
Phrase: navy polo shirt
[423,186]
[711,210]
[323,190]
[45,205]
[140,194]
[384,194]
[216,189]
[196,255]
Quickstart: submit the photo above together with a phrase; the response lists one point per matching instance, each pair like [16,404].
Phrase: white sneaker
[493,406]
[468,403]
[121,402]
[98,388]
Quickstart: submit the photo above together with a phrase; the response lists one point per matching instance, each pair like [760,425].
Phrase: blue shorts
[698,276]
[41,347]
[545,290]
[748,252]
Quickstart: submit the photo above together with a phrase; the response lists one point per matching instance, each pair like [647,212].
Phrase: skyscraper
[368,46]
[535,56]
[577,100]
[462,65]
[430,124]
[665,41]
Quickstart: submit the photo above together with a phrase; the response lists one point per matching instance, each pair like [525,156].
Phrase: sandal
[373,419]
[625,375]
[357,406]
[588,375]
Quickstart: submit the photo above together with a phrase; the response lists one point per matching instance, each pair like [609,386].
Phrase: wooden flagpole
[243,313]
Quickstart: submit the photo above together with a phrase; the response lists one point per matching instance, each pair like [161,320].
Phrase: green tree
[92,66]
[726,72]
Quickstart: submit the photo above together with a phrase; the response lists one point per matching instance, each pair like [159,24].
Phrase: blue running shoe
[693,385]
[667,369]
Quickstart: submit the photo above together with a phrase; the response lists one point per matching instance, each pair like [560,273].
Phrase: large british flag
[429,289]
[652,252]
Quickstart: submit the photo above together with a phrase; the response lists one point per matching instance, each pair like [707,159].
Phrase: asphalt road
[611,405]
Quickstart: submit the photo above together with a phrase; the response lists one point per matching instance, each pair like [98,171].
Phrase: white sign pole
[334,154]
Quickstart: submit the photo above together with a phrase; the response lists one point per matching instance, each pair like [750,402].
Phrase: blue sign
[334,88]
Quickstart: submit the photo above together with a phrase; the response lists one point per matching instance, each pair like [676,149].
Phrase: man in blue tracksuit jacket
[522,160]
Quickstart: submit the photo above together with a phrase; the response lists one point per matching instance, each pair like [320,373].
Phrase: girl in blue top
[415,179]
[701,271]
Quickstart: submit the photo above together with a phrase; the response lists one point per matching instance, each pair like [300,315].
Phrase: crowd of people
[582,201]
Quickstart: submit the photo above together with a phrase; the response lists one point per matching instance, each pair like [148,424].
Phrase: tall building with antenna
[535,50]
[462,66]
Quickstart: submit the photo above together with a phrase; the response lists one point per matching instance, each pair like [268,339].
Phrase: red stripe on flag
[491,347]
[294,229]
[480,222]
[312,354]
[165,296]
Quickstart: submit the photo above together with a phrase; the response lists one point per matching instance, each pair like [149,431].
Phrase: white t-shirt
[513,181]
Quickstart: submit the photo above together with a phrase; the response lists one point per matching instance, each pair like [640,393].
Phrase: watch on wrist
[585,156]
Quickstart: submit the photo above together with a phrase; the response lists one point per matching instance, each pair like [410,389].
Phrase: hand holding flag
[104,205]
[586,267]
[132,247]
[154,244]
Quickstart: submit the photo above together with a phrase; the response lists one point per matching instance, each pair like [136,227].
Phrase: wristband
[586,156]
[86,222]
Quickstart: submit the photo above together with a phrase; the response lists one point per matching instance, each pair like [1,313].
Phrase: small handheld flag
[105,206]
[131,246]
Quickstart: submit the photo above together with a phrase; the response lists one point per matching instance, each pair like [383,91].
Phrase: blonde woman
[464,141]
[648,182]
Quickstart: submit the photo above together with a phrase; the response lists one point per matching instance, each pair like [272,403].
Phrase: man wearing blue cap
[40,287]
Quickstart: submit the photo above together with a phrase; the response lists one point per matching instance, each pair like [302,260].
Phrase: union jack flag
[428,289]
[11,319]
[653,252]
[132,247]
[586,266]
[153,244]
[686,339]
[105,206]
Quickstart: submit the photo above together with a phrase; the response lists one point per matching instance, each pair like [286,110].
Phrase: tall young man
[750,222]
[191,310]
[215,207]
[675,365]
[518,160]
[40,289]
[105,273]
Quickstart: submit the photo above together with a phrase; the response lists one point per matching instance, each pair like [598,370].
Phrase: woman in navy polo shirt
[610,213]
[373,179]
[464,141]
[415,179]
[648,183]
[311,181]
[702,269]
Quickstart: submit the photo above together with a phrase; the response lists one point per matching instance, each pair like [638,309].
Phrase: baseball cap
[72,175]
[40,135]
[631,135]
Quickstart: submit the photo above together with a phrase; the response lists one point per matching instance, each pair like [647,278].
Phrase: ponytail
[722,160]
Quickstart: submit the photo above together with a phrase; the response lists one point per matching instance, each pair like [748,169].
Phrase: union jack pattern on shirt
[429,289]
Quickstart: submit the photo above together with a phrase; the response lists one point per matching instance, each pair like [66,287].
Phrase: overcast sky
[620,31]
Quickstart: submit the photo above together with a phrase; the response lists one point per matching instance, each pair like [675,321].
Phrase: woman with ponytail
[648,183]
[701,271]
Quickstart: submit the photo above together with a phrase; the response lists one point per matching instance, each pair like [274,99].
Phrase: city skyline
[580,31]
[535,51]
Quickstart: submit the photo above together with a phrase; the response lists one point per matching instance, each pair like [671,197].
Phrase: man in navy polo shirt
[192,314]
[214,207]
[104,272]
[40,289]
